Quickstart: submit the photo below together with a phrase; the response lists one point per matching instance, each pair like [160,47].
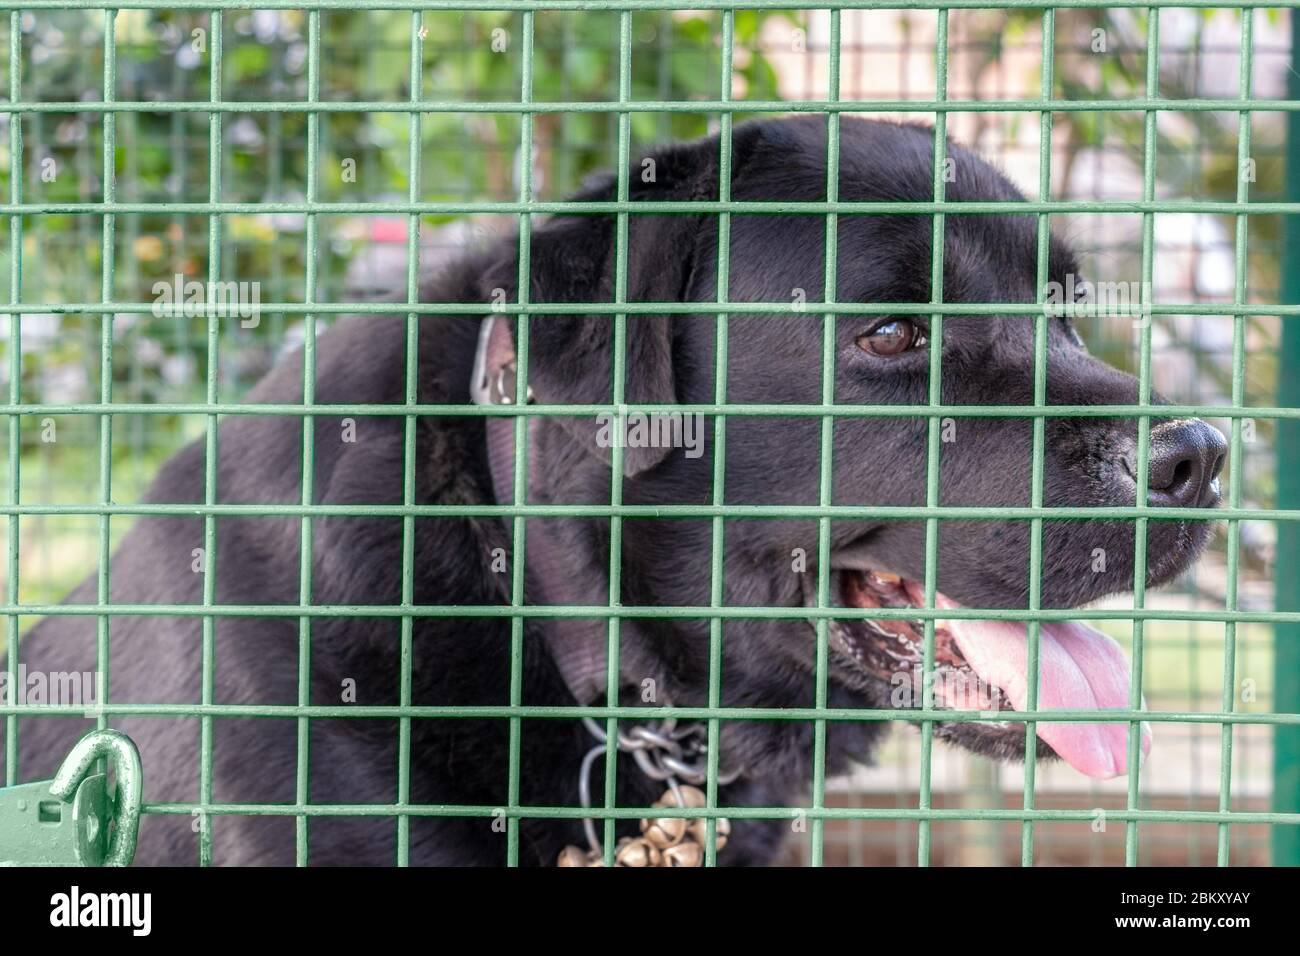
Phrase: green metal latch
[71,820]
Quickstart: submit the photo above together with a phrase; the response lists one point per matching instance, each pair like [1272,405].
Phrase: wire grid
[524,206]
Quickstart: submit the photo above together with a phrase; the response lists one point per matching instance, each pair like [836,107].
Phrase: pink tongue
[1081,669]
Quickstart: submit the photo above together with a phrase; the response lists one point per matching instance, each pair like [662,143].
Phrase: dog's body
[769,663]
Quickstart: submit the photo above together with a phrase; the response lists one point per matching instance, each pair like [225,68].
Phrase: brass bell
[691,797]
[664,832]
[688,853]
[637,852]
[699,833]
[572,856]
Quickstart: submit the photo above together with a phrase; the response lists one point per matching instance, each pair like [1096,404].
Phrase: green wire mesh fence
[332,153]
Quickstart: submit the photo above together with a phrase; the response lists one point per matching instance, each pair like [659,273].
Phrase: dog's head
[773,458]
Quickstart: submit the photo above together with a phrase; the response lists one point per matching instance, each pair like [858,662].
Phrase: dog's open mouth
[983,666]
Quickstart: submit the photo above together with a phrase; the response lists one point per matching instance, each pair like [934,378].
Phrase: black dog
[768,562]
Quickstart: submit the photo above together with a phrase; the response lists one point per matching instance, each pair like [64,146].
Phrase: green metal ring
[121,753]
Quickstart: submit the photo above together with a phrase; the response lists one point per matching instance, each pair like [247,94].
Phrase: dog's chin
[980,669]
[1174,546]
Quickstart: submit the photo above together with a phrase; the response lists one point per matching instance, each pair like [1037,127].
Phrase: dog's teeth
[884,577]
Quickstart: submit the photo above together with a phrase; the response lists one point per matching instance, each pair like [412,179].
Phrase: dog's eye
[893,337]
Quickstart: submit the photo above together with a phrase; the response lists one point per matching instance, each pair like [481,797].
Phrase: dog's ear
[572,259]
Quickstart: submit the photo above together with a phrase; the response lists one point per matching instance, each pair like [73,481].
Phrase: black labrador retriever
[353,661]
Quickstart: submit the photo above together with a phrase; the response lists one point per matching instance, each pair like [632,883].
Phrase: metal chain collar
[665,752]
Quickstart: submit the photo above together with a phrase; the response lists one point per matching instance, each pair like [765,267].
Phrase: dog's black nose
[1185,461]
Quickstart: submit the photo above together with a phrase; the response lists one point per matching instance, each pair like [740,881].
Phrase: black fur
[772,358]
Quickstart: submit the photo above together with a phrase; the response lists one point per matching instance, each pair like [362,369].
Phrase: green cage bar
[1286,738]
[525,106]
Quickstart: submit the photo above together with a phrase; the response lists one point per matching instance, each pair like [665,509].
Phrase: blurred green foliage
[166,158]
